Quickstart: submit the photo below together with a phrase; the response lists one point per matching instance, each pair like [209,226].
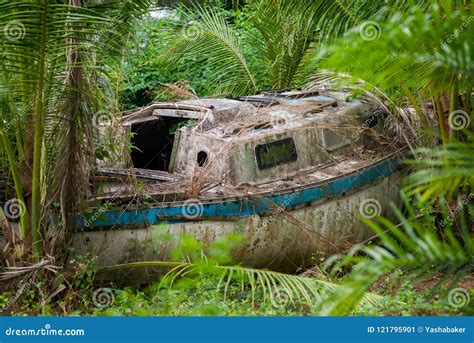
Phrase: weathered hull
[281,232]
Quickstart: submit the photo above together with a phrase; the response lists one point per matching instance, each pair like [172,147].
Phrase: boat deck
[134,187]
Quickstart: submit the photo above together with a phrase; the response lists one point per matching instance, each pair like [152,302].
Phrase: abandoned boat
[290,171]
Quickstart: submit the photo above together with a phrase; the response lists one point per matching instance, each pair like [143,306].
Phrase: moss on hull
[283,240]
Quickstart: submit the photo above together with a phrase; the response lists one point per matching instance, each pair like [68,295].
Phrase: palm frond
[415,247]
[282,36]
[297,290]
[273,286]
[208,37]
[334,18]
[52,53]
[423,42]
[443,171]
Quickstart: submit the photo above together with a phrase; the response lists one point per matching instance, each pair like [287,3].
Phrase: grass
[400,295]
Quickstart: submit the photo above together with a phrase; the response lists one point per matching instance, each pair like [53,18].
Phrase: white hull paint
[284,241]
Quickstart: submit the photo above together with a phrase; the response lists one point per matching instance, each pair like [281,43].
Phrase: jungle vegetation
[66,62]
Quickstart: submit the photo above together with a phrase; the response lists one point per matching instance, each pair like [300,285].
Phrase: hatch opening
[152,142]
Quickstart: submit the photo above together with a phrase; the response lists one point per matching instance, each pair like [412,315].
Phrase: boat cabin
[289,171]
[247,140]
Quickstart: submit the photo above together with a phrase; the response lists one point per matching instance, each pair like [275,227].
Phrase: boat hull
[285,232]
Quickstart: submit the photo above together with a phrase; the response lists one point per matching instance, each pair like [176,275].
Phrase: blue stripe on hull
[246,207]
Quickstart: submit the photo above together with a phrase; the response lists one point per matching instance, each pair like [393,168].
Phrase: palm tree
[419,54]
[268,53]
[275,47]
[53,52]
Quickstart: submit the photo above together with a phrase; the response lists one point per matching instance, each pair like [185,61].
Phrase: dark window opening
[275,153]
[202,158]
[152,142]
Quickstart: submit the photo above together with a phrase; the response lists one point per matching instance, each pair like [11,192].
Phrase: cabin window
[152,142]
[201,158]
[275,153]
